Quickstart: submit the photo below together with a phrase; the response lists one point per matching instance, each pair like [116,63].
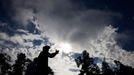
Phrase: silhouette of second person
[42,64]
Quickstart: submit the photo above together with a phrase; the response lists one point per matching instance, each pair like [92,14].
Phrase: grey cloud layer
[63,21]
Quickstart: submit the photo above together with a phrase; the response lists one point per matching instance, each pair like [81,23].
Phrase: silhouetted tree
[20,64]
[94,69]
[124,70]
[4,65]
[91,68]
[106,70]
[40,65]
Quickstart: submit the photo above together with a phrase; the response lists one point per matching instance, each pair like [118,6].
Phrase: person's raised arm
[51,55]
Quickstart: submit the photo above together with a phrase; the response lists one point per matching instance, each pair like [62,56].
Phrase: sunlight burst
[65,47]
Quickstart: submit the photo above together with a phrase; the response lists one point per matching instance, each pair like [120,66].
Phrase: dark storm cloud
[20,36]
[5,10]
[125,25]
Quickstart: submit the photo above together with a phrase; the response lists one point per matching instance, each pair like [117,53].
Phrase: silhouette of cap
[46,47]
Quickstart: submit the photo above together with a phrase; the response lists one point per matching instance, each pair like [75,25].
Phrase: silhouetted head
[46,48]
[85,53]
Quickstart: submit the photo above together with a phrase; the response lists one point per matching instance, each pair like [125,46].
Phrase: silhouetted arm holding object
[51,55]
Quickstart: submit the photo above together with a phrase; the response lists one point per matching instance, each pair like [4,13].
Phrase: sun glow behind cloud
[64,47]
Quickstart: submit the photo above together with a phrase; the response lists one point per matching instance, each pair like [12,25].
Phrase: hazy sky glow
[67,25]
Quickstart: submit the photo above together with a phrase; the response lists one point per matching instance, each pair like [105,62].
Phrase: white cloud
[21,30]
[62,21]
[3,36]
[23,40]
[79,28]
[106,46]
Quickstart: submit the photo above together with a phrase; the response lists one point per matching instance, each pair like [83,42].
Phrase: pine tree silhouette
[19,67]
[88,67]
[106,70]
[4,65]
[123,69]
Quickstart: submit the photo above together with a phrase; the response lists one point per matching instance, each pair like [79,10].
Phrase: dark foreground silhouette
[39,66]
[91,68]
[88,67]
[19,66]
[42,62]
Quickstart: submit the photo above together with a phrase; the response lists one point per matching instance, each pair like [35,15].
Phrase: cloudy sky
[103,27]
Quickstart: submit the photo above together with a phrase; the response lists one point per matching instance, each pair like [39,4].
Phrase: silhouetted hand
[57,51]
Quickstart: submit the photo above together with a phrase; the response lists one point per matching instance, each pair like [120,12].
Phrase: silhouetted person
[42,63]
[85,61]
